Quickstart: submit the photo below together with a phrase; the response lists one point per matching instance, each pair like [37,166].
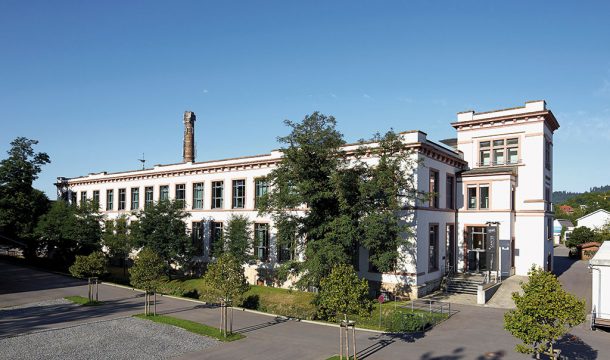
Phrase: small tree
[90,267]
[117,240]
[237,239]
[342,293]
[146,272]
[580,235]
[224,282]
[545,312]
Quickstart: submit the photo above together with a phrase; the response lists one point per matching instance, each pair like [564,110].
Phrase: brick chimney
[188,147]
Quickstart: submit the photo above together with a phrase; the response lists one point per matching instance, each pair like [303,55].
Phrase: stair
[464,284]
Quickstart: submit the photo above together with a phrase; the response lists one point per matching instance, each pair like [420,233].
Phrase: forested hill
[584,204]
[560,197]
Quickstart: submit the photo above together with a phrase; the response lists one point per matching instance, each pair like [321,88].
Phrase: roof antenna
[143,161]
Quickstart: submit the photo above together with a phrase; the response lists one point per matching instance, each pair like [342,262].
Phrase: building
[566,209]
[595,220]
[559,226]
[491,210]
[599,266]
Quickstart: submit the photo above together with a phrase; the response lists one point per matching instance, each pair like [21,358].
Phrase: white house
[600,299]
[595,220]
[492,186]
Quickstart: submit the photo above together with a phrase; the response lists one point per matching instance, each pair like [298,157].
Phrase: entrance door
[477,246]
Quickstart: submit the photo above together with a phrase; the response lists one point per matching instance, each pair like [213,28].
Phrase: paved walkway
[473,333]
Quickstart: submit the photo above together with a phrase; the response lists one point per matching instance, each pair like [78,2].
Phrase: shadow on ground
[574,348]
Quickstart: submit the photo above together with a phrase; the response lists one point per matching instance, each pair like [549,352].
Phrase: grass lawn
[393,315]
[191,326]
[83,301]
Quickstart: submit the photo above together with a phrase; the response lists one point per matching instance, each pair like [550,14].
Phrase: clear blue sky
[99,83]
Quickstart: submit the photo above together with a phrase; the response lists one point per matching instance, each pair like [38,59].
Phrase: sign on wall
[492,248]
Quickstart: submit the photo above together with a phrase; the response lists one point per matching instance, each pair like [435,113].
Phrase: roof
[495,170]
[602,257]
[595,212]
[589,244]
[565,223]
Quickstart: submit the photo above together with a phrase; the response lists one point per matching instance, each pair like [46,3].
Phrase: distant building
[559,226]
[566,209]
[595,220]
[491,209]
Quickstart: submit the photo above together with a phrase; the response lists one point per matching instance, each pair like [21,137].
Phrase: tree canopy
[224,281]
[92,265]
[580,235]
[161,227]
[342,293]
[20,204]
[345,201]
[545,312]
[147,270]
[237,239]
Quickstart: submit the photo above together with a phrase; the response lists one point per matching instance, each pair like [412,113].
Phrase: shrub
[92,265]
[343,293]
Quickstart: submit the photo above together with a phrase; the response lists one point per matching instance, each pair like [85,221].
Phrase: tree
[342,293]
[237,239]
[580,235]
[20,204]
[117,240]
[225,283]
[92,265]
[161,228]
[544,313]
[68,230]
[147,270]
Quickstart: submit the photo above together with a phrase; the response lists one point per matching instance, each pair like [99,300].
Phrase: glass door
[477,245]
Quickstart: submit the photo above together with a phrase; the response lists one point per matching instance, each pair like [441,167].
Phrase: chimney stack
[188,148]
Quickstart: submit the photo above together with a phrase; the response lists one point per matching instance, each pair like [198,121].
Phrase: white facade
[445,220]
[595,220]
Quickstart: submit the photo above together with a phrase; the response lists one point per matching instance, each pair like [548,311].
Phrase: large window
[122,199]
[434,186]
[148,196]
[261,187]
[217,190]
[198,196]
[83,197]
[478,197]
[286,245]
[547,154]
[239,194]
[96,197]
[109,199]
[499,152]
[197,237]
[181,194]
[163,192]
[216,242]
[433,248]
[450,192]
[135,198]
[261,237]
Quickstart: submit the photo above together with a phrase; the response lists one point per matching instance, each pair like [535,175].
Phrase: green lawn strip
[194,327]
[80,300]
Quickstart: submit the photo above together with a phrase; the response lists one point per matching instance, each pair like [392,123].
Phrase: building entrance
[477,248]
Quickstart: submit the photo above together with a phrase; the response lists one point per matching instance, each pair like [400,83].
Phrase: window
[450,192]
[549,228]
[512,198]
[122,199]
[96,197]
[148,196]
[261,237]
[547,198]
[135,198]
[547,154]
[433,248]
[286,244]
[450,248]
[239,194]
[83,197]
[197,237]
[109,199]
[215,237]
[499,152]
[198,196]
[433,192]
[163,192]
[261,187]
[484,197]
[472,197]
[217,190]
[181,194]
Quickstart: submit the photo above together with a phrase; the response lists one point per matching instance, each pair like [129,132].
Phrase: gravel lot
[125,338]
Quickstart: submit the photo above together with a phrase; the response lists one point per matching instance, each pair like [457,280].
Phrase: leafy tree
[92,265]
[237,239]
[342,293]
[117,240]
[580,235]
[147,270]
[69,230]
[224,282]
[545,312]
[20,204]
[161,228]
